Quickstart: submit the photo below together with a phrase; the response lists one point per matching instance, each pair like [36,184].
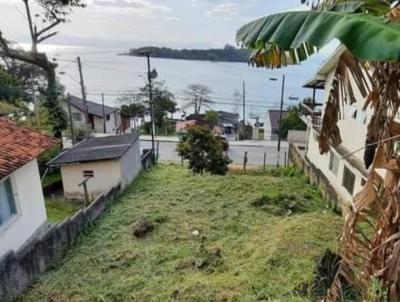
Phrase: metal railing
[312,113]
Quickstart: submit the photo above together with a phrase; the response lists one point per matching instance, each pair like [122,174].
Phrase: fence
[315,176]
[147,159]
[19,269]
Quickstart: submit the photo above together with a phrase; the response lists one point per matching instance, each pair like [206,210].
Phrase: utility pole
[244,103]
[35,100]
[104,113]
[71,125]
[85,107]
[153,127]
[280,119]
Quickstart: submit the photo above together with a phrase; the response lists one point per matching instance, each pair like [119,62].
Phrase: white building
[107,161]
[346,173]
[101,119]
[22,207]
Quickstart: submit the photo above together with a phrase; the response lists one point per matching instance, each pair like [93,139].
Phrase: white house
[22,207]
[346,173]
[101,119]
[107,161]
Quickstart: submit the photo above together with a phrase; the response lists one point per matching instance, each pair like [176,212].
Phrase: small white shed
[108,161]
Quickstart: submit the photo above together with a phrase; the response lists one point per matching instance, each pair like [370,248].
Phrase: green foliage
[11,90]
[203,151]
[46,156]
[292,122]
[163,100]
[263,257]
[227,54]
[363,34]
[211,118]
[80,133]
[59,209]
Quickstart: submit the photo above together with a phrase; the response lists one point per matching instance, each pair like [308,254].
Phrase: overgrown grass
[59,209]
[51,178]
[243,252]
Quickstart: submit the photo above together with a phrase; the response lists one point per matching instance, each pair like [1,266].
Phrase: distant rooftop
[20,145]
[96,149]
[93,108]
[274,116]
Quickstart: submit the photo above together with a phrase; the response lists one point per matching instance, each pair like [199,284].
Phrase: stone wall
[316,177]
[19,269]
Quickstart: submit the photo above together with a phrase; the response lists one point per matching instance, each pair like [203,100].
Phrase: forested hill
[226,54]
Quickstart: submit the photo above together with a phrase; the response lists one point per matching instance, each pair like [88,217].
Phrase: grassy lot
[248,248]
[59,209]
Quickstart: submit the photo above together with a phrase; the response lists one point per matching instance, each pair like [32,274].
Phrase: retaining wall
[18,269]
[315,175]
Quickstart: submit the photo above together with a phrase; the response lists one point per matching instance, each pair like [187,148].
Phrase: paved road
[236,153]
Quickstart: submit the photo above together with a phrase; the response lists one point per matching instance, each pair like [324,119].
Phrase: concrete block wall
[19,269]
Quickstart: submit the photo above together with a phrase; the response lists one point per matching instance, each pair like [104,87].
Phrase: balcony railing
[312,114]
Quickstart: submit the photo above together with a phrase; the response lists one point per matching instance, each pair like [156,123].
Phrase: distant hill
[227,54]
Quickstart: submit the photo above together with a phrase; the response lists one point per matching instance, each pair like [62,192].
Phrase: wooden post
[158,150]
[245,160]
[71,123]
[84,185]
[182,160]
[285,159]
[265,160]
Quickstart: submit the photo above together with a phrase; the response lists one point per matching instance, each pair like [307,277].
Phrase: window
[348,180]
[76,116]
[333,163]
[88,173]
[107,117]
[7,202]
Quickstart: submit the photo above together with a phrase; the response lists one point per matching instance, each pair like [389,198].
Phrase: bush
[203,151]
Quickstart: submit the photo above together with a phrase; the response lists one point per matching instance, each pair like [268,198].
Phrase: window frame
[88,173]
[345,169]
[333,156]
[17,214]
[74,115]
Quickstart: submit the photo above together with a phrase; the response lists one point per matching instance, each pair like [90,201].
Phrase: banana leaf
[291,37]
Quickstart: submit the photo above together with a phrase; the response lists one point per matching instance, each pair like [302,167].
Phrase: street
[255,152]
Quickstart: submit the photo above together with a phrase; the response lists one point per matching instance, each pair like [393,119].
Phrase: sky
[134,23]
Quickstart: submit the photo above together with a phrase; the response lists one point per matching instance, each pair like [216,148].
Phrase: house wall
[77,124]
[353,129]
[107,174]
[112,125]
[131,164]
[268,128]
[30,207]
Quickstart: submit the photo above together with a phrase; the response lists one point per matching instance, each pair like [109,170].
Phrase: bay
[107,72]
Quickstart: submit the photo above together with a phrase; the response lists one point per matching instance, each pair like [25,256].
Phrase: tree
[197,96]
[292,121]
[51,13]
[203,151]
[211,118]
[163,100]
[370,32]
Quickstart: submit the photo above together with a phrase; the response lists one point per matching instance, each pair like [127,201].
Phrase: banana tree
[370,31]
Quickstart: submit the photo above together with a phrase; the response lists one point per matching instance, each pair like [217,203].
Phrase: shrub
[203,151]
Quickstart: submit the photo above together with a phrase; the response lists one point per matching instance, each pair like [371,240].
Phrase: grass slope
[265,254]
[60,209]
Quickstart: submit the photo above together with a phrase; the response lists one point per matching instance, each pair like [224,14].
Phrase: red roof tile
[19,145]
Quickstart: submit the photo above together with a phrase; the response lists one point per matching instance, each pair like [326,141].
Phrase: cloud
[142,8]
[224,10]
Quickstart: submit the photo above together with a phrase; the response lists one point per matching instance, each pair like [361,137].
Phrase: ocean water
[107,72]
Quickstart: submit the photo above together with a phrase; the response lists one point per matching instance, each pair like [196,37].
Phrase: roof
[96,149]
[93,108]
[274,116]
[20,145]
[228,117]
[318,82]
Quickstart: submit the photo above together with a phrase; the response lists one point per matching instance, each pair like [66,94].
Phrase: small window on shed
[88,173]
[348,180]
[108,117]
